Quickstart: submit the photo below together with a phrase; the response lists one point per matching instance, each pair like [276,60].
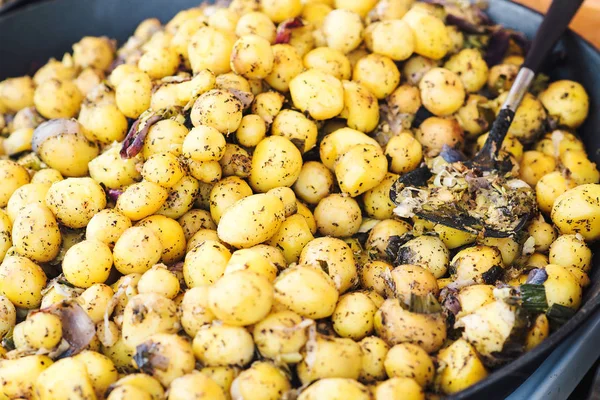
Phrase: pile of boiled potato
[204,212]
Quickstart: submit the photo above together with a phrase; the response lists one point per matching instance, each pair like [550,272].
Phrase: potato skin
[25,293]
[35,233]
[75,201]
[578,211]
[464,368]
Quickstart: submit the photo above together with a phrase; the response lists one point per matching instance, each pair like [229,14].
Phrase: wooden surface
[586,22]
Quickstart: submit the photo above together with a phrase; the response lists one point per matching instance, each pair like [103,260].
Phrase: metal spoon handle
[555,23]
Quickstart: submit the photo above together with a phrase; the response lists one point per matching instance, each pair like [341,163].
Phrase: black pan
[30,36]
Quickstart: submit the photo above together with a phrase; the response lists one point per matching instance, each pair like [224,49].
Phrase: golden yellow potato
[318,93]
[567,101]
[578,211]
[442,91]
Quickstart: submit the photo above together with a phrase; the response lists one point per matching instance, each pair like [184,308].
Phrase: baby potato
[474,297]
[220,345]
[454,238]
[113,171]
[252,130]
[338,142]
[442,91]
[406,99]
[361,168]
[167,357]
[353,316]
[35,233]
[407,360]
[218,109]
[141,200]
[181,198]
[159,62]
[134,94]
[509,248]
[256,23]
[287,64]
[95,301]
[103,123]
[194,310]
[13,176]
[262,379]
[399,388]
[262,259]
[538,332]
[380,234]
[396,325]
[292,237]
[431,37]
[63,378]
[361,109]
[166,135]
[406,152]
[42,331]
[391,38]
[137,250]
[223,18]
[241,298]
[337,256]
[378,74]
[543,233]
[374,351]
[538,260]
[342,30]
[57,99]
[463,367]
[329,357]
[329,61]
[377,202]
[170,234]
[407,280]
[8,316]
[534,165]
[163,169]
[473,118]
[100,369]
[335,389]
[17,93]
[120,354]
[148,314]
[314,182]
[570,251]
[252,57]
[18,376]
[123,392]
[18,141]
[225,193]
[306,290]
[195,384]
[251,220]
[501,77]
[236,161]
[529,119]
[473,262]
[562,287]
[144,382]
[222,376]
[294,126]
[338,215]
[107,226]
[211,49]
[428,252]
[281,336]
[416,67]
[567,101]
[5,234]
[46,176]
[511,145]
[201,236]
[266,104]
[580,168]
[578,211]
[205,263]
[75,201]
[318,93]
[471,68]
[194,220]
[95,52]
[23,196]
[83,271]
[373,276]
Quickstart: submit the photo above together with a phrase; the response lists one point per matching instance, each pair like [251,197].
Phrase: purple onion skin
[463,24]
[497,47]
[284,30]
[537,276]
[451,155]
[113,194]
[134,141]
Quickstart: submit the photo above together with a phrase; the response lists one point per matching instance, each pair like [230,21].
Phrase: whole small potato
[257,23]
[361,168]
[374,351]
[144,382]
[251,220]
[463,367]
[406,152]
[194,310]
[159,62]
[205,263]
[75,201]
[252,57]
[103,123]
[163,169]
[330,61]
[578,211]
[134,94]
[470,66]
[166,135]
[415,67]
[223,345]
[318,93]
[407,360]
[473,262]
[430,34]
[57,99]
[195,384]
[361,109]
[35,233]
[95,301]
[158,315]
[338,142]
[342,30]
[107,226]
[429,252]
[287,64]
[442,91]
[562,287]
[62,378]
[399,388]
[263,259]
[333,358]
[281,336]
[337,256]
[528,120]
[276,162]
[377,73]
[408,280]
[19,375]
[396,325]
[96,52]
[538,332]
[211,48]
[262,381]
[314,183]
[180,198]
[241,298]
[373,276]
[8,315]
[13,176]
[292,236]
[330,388]
[580,168]
[380,235]
[338,215]
[25,195]
[17,93]
[353,316]
[219,109]
[294,126]
[566,101]
[137,250]
[141,200]
[306,290]
[377,202]
[570,251]
[112,171]
[83,271]
[46,176]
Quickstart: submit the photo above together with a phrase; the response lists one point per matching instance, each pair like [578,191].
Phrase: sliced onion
[53,128]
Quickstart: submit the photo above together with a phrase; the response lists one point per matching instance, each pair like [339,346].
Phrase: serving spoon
[486,161]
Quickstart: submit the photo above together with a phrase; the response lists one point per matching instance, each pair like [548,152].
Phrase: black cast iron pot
[28,37]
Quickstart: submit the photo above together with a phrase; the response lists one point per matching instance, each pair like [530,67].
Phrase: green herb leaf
[533,298]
